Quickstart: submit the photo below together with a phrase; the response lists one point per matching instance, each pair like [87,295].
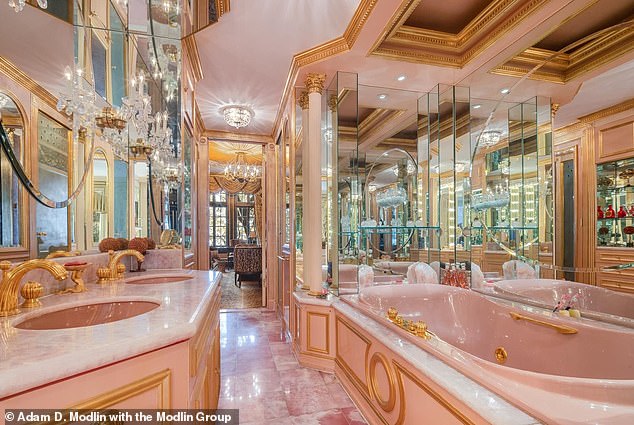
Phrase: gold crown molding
[260,139]
[323,51]
[191,48]
[315,83]
[564,67]
[200,123]
[223,6]
[612,110]
[564,132]
[7,67]
[421,45]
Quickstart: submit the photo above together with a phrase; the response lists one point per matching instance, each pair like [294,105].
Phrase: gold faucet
[115,270]
[11,281]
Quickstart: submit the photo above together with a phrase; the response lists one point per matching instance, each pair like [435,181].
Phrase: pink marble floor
[261,377]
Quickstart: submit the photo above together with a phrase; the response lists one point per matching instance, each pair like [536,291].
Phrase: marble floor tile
[261,377]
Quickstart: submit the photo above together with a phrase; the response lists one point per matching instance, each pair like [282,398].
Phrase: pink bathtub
[548,292]
[575,378]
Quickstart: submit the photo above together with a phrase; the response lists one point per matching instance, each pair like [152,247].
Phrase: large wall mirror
[12,211]
[140,221]
[54,153]
[100,197]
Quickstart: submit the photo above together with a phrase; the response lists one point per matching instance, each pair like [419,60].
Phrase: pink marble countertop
[31,358]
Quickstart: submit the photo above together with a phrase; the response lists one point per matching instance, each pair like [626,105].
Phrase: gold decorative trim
[419,45]
[191,49]
[199,122]
[580,57]
[7,67]
[260,139]
[361,386]
[351,377]
[310,347]
[315,83]
[303,100]
[402,371]
[338,45]
[160,380]
[373,387]
[606,112]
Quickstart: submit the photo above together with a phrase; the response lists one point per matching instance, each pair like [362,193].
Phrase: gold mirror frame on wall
[21,249]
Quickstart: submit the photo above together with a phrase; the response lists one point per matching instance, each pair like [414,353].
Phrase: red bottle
[622,212]
[600,212]
[610,213]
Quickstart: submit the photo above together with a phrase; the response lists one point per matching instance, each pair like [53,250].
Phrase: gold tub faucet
[115,270]
[11,278]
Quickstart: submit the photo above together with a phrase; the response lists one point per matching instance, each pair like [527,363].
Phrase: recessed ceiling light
[505,91]
[382,96]
[477,106]
[401,77]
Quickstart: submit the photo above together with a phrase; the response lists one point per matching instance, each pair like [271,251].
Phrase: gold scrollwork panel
[374,382]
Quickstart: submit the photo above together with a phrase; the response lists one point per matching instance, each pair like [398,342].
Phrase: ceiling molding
[191,49]
[567,66]
[606,112]
[419,45]
[7,67]
[260,139]
[199,125]
[323,51]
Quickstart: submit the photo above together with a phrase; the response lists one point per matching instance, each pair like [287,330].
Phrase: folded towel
[516,269]
[366,276]
[421,273]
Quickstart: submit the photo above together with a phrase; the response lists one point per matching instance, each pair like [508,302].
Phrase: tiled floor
[261,377]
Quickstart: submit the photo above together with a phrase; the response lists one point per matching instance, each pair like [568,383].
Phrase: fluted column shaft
[312,183]
[303,103]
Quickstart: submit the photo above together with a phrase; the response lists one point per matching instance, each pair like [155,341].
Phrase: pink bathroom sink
[87,315]
[145,280]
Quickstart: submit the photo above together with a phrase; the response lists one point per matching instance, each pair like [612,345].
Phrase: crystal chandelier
[490,138]
[18,5]
[239,169]
[79,100]
[153,135]
[237,116]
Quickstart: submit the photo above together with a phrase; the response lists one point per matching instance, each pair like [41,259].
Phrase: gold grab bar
[559,328]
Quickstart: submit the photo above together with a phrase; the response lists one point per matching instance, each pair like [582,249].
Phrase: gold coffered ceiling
[449,32]
[593,37]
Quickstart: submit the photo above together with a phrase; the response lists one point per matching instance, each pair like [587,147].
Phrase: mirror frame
[22,251]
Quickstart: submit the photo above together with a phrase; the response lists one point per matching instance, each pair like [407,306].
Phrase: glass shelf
[627,189]
[616,219]
[396,228]
[502,228]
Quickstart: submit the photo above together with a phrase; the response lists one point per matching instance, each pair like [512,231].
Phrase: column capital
[332,102]
[303,100]
[553,109]
[315,82]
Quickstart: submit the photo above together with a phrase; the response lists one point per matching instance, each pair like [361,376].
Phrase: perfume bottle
[600,212]
[610,213]
[622,212]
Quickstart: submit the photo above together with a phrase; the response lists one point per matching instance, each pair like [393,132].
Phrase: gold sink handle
[115,270]
[11,278]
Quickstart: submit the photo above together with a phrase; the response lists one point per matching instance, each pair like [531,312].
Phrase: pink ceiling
[246,55]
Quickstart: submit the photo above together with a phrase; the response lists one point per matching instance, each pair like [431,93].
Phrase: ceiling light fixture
[239,169]
[477,106]
[505,91]
[401,77]
[382,96]
[237,116]
[490,138]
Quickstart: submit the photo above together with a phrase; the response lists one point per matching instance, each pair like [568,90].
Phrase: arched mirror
[12,210]
[100,197]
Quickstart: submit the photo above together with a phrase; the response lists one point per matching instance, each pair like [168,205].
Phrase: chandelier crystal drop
[237,116]
[239,169]
[490,138]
